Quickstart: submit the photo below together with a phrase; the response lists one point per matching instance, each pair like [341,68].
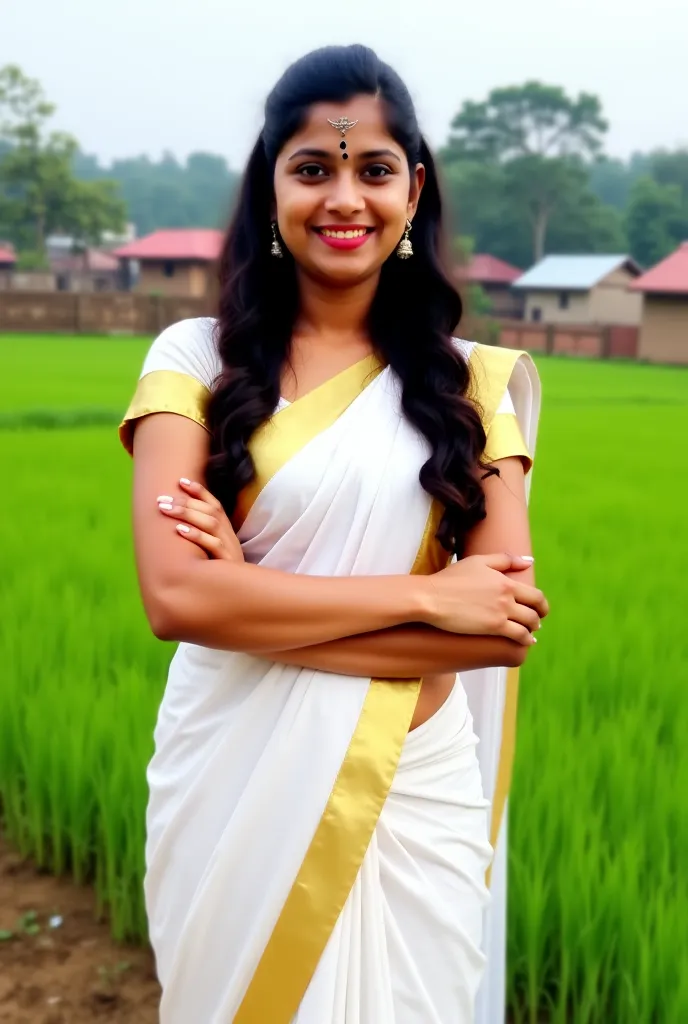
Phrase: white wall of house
[609,302]
[612,303]
[552,307]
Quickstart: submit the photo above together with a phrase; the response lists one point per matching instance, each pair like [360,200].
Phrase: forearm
[242,607]
[405,652]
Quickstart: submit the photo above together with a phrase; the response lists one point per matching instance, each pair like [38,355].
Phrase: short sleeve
[504,435]
[177,376]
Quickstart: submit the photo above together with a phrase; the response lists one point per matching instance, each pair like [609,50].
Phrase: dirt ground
[60,966]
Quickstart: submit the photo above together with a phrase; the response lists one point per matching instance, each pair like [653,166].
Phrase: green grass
[54,372]
[599,832]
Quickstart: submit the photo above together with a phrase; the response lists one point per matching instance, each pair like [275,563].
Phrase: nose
[344,196]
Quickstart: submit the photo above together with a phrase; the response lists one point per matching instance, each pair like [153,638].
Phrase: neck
[339,313]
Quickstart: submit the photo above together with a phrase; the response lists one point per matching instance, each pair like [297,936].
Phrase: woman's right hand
[474,596]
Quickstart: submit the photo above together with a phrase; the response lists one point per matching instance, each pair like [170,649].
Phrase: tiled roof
[486,269]
[577,273]
[91,260]
[201,244]
[669,276]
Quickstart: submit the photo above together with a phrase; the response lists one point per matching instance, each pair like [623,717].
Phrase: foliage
[598,890]
[527,120]
[39,194]
[656,220]
[533,138]
[167,193]
[478,302]
[496,205]
[29,259]
[611,179]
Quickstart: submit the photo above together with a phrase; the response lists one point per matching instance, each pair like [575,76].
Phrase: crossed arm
[409,651]
[357,626]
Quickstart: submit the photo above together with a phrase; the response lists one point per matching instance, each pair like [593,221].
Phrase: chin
[342,270]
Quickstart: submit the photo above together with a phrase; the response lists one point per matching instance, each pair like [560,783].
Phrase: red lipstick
[344,236]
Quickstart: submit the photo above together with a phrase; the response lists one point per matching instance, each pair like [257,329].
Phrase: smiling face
[341,211]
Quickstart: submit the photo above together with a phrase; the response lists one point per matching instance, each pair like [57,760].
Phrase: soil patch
[61,966]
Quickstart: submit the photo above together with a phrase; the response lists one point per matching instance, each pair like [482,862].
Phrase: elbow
[163,628]
[163,624]
[164,617]
[516,654]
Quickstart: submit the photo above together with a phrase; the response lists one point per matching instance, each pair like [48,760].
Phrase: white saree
[308,859]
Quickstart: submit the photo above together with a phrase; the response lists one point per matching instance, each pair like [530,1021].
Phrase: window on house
[563,300]
[169,269]
[536,314]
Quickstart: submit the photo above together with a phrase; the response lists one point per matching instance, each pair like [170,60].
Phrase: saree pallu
[309,860]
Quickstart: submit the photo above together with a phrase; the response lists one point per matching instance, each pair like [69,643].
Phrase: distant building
[495,277]
[64,245]
[177,262]
[88,271]
[8,262]
[581,290]
[664,323]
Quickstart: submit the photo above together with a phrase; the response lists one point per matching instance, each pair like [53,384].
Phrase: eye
[311,171]
[377,171]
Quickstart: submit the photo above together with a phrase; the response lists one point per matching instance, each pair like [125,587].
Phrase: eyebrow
[325,154]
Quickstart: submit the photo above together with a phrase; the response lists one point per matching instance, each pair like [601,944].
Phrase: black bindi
[342,145]
[345,156]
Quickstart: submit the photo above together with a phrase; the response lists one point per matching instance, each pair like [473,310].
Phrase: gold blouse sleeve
[165,391]
[505,440]
[491,370]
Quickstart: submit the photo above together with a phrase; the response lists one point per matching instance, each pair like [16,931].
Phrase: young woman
[318,834]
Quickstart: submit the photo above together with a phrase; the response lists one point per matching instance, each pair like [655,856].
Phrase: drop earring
[405,249]
[275,248]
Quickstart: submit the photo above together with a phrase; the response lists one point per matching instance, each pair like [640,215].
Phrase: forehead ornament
[342,124]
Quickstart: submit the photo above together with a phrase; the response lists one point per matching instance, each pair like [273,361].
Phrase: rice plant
[598,921]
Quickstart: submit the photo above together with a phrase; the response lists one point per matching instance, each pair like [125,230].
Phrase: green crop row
[598,912]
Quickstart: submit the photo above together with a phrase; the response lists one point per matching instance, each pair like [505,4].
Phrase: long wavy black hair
[413,314]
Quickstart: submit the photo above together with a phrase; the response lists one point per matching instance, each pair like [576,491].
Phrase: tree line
[524,170]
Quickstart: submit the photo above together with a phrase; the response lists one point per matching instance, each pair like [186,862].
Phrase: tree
[611,179]
[527,120]
[656,220]
[39,194]
[168,193]
[496,205]
[539,136]
[671,168]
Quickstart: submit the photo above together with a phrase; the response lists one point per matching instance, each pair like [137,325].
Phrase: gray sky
[133,76]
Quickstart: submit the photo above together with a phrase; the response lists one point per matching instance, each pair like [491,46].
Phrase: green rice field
[598,928]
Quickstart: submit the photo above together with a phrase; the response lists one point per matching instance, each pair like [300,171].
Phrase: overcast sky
[135,76]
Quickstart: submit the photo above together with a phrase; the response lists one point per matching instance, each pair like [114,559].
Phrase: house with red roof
[89,271]
[175,261]
[495,277]
[8,262]
[664,323]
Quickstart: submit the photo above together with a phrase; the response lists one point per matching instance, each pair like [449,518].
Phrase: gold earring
[405,249]
[275,248]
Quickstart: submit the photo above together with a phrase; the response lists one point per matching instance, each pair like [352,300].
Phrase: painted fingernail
[184,480]
[183,528]
[533,639]
[165,506]
[164,497]
[527,558]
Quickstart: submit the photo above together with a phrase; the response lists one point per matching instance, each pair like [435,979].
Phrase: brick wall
[107,313]
[129,313]
[593,342]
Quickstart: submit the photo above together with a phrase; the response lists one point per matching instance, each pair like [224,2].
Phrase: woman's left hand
[203,521]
